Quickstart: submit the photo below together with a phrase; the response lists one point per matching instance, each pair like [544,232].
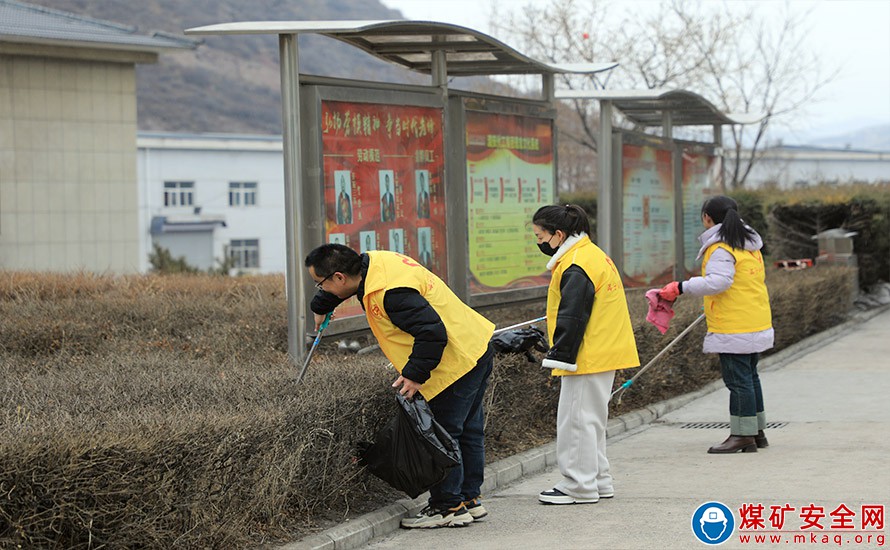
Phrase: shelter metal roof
[645,107]
[27,23]
[412,43]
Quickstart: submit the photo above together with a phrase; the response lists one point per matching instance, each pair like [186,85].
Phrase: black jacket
[409,311]
[574,311]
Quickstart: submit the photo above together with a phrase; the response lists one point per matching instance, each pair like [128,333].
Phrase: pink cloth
[661,311]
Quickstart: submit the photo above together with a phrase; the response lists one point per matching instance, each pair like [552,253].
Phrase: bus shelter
[651,187]
[449,178]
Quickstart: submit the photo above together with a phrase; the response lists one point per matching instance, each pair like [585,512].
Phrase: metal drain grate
[725,425]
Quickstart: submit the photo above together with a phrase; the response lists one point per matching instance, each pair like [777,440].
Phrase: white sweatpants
[581,434]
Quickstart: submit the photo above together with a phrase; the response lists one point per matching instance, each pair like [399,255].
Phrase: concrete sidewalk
[830,447]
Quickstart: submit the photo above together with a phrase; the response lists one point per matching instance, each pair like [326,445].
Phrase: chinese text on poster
[383,181]
[509,176]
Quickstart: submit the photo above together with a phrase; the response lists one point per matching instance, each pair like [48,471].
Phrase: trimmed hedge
[163,412]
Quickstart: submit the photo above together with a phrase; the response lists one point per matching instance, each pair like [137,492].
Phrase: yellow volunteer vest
[468,332]
[609,338]
[743,307]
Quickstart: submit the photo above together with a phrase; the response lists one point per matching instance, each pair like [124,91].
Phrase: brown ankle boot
[735,443]
[760,440]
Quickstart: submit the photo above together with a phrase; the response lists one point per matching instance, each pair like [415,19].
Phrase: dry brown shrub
[162,411]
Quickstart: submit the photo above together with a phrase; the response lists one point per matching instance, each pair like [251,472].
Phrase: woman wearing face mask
[738,314]
[591,337]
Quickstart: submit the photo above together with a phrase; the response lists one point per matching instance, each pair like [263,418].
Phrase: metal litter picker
[517,325]
[324,325]
[620,391]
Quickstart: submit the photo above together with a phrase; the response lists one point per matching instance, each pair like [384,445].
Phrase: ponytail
[725,211]
[571,219]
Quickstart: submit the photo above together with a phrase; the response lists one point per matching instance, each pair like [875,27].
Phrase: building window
[242,193]
[244,253]
[179,193]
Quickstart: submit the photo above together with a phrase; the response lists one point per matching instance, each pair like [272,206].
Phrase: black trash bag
[412,452]
[521,341]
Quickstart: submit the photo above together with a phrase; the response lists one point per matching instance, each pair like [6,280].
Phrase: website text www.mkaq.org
[832,538]
[815,525]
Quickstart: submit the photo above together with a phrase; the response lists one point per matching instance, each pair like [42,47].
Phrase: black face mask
[546,248]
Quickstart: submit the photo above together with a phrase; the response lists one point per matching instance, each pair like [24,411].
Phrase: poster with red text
[383,182]
[509,176]
[648,195]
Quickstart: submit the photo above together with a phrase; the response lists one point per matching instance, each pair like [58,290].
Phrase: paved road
[832,449]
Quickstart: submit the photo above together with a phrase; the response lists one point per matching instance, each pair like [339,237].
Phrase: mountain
[872,138]
[231,83]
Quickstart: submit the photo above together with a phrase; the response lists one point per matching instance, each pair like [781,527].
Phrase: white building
[790,166]
[206,197]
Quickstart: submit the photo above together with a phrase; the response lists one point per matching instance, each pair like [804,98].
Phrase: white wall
[212,161]
[791,166]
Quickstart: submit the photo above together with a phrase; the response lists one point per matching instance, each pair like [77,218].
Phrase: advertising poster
[701,179]
[648,195]
[509,176]
[383,182]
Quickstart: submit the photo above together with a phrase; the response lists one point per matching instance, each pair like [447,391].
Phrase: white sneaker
[429,518]
[555,496]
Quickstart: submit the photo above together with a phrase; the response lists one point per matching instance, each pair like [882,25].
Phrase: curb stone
[361,530]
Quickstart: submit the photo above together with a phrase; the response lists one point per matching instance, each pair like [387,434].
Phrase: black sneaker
[429,518]
[475,508]
[555,496]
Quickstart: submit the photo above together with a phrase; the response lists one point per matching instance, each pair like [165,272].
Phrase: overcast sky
[851,34]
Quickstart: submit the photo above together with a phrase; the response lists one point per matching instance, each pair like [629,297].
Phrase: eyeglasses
[321,282]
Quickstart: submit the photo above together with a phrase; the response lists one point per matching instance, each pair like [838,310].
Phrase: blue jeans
[458,408]
[745,395]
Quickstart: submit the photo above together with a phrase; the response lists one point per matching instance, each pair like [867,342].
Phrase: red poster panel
[648,196]
[509,176]
[383,181]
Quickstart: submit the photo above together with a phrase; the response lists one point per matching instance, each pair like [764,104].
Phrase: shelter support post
[667,125]
[439,72]
[604,214]
[293,197]
[548,87]
[718,141]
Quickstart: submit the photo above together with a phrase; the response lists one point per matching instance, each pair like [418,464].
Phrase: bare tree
[743,62]
[769,71]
